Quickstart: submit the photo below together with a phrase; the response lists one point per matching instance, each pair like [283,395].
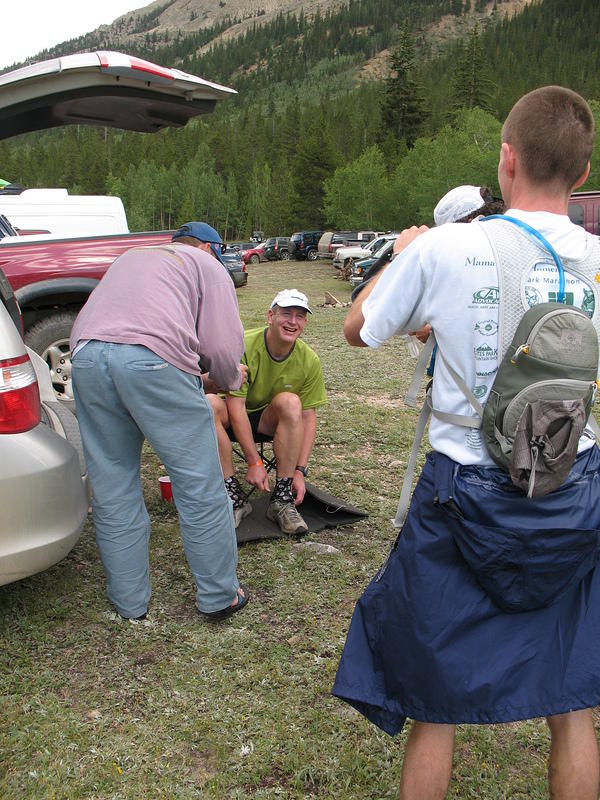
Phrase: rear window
[270,242]
[296,237]
[576,213]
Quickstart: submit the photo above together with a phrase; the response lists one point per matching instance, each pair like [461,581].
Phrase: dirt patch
[375,401]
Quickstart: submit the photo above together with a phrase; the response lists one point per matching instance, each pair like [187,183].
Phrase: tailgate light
[20,407]
[301,245]
[330,248]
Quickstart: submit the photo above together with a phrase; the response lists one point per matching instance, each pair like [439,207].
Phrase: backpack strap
[427,410]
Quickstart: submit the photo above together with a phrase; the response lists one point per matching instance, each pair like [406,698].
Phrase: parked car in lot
[235,266]
[361,267]
[584,210]
[332,241]
[345,256]
[43,479]
[254,254]
[304,244]
[277,248]
[52,277]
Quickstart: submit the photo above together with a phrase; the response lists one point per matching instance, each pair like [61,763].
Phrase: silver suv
[43,480]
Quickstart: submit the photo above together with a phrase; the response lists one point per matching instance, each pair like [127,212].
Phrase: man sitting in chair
[284,387]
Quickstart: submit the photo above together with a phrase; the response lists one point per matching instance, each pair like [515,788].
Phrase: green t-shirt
[300,373]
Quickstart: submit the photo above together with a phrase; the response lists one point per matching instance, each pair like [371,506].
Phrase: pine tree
[314,161]
[403,109]
[471,84]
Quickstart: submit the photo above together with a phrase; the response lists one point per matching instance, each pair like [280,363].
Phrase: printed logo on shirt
[588,305]
[485,353]
[569,298]
[543,284]
[532,296]
[486,296]
[487,328]
[478,262]
[485,374]
[480,391]
[473,439]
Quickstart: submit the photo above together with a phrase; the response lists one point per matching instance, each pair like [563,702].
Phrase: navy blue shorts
[492,637]
[254,417]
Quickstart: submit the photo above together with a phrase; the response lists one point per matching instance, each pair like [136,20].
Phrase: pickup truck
[331,241]
[52,276]
[52,280]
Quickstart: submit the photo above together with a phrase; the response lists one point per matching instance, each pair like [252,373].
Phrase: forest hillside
[348,114]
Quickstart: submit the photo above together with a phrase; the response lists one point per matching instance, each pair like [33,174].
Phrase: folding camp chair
[266,454]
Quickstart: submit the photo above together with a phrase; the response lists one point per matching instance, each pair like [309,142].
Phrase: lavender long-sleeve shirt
[174,299]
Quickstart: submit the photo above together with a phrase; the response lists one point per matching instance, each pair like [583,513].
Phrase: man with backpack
[488,606]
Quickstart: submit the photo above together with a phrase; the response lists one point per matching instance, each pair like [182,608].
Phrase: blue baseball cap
[204,233]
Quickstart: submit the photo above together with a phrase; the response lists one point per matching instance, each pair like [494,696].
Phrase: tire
[284,255]
[58,417]
[254,259]
[50,339]
[312,255]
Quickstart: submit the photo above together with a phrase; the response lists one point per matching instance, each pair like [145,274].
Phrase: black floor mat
[319,510]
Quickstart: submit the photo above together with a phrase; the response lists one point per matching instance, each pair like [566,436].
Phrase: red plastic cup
[166,490]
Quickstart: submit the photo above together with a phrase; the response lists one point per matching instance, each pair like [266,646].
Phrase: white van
[62,214]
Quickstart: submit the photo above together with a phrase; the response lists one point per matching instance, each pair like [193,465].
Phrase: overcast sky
[29,26]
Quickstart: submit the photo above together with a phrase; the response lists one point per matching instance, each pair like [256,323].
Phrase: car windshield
[385,248]
[375,244]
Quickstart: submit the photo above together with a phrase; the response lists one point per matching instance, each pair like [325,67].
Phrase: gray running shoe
[287,517]
[240,512]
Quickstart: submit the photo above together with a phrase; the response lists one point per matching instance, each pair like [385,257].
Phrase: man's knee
[219,409]
[287,406]
[573,722]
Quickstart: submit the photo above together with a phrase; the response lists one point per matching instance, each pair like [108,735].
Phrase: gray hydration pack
[542,395]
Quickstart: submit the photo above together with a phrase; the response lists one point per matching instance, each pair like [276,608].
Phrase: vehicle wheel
[284,255]
[57,417]
[50,338]
[254,259]
[312,255]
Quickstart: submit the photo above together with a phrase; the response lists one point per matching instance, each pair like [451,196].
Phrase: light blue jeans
[125,394]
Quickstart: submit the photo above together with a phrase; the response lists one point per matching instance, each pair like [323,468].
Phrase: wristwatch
[303,470]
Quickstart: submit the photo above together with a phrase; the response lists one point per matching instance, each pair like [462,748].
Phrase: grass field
[94,706]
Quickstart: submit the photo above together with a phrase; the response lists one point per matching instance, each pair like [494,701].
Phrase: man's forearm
[240,425]
[354,318]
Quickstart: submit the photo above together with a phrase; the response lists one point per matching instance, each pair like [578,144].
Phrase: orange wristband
[258,463]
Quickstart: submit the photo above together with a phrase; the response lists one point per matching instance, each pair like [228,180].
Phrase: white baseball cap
[458,203]
[291,297]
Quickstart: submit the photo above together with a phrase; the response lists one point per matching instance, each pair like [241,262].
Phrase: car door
[102,88]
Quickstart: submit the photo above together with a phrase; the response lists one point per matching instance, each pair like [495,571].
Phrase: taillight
[20,407]
[301,245]
[276,247]
[330,248]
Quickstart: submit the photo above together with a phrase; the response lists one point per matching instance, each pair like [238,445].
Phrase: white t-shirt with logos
[448,277]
